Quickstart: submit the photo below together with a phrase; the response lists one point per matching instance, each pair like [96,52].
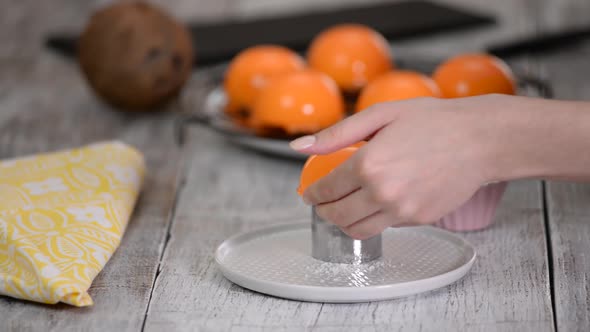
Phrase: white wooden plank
[44,118]
[569,209]
[227,191]
[45,105]
[569,217]
[230,190]
[507,289]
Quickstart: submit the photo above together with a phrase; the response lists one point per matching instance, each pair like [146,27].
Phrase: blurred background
[31,76]
[31,20]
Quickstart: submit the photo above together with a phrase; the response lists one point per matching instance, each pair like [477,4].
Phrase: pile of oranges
[348,68]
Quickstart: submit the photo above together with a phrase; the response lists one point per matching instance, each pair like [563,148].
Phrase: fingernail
[302,142]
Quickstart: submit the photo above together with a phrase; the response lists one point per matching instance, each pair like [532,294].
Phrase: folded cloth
[62,215]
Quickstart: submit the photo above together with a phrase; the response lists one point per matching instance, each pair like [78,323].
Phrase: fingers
[344,133]
[369,226]
[348,210]
[337,184]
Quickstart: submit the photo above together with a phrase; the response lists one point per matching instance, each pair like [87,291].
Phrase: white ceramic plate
[277,261]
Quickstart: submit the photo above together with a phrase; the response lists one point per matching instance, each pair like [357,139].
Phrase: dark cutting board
[216,42]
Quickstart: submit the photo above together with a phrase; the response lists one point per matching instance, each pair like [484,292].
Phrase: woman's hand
[425,157]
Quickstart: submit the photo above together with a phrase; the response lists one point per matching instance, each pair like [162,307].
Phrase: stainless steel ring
[330,244]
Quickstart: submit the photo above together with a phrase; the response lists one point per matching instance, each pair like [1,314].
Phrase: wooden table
[533,269]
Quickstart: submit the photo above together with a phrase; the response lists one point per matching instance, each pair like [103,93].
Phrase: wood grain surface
[568,204]
[163,277]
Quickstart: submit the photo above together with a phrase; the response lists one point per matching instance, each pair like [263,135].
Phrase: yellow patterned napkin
[62,215]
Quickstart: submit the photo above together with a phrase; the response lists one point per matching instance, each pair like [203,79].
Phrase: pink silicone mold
[478,212]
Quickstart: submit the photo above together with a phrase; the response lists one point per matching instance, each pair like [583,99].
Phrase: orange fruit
[318,166]
[298,103]
[351,54]
[474,74]
[249,72]
[397,85]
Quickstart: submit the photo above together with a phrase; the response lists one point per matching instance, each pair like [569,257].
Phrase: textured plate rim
[342,294]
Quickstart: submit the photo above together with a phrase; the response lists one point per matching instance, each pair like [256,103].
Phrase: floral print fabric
[62,215]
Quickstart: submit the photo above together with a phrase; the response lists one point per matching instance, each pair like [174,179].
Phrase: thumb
[344,133]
